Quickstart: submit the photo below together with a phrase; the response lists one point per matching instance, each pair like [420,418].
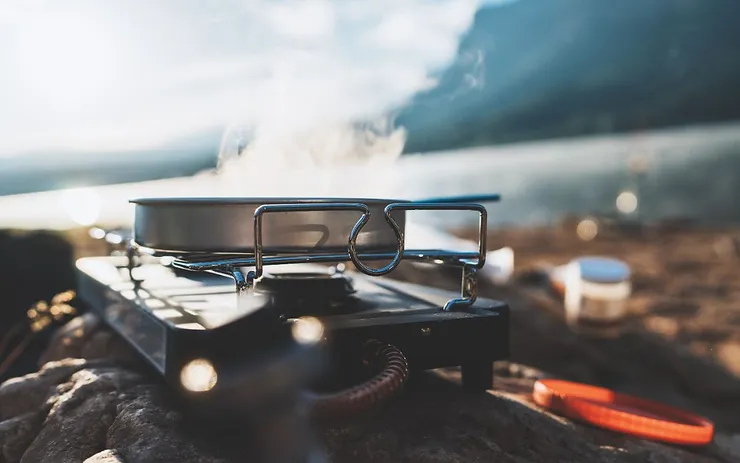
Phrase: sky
[88,76]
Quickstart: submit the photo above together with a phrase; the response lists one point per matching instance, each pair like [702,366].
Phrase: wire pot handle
[364,218]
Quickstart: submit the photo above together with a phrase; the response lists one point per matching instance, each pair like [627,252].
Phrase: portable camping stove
[228,308]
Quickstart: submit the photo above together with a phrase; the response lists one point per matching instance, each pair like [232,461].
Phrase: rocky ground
[682,336]
[680,346]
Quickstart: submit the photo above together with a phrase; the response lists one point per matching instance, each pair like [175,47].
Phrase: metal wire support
[133,261]
[243,282]
[469,261]
[480,258]
[268,208]
[468,292]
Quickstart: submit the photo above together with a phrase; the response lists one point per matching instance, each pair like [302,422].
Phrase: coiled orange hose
[383,386]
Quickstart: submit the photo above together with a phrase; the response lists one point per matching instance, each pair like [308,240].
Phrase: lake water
[690,173]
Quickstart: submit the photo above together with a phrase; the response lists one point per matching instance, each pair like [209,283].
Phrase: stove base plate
[172,317]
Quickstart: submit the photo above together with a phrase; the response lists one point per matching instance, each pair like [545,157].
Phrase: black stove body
[214,324]
[173,317]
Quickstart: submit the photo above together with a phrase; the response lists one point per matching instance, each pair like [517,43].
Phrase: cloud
[90,76]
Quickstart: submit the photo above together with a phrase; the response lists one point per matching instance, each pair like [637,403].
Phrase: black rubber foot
[477,377]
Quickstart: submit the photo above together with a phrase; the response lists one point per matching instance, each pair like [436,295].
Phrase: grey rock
[140,419]
[85,410]
[17,433]
[106,456]
[80,414]
[30,392]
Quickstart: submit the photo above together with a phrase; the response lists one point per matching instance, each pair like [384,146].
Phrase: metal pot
[227,225]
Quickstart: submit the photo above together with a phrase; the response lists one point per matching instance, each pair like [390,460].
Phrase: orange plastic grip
[623,413]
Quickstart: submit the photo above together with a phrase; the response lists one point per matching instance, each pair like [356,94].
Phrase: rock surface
[88,404]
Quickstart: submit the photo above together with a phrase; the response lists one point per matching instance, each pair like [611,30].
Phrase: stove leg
[477,376]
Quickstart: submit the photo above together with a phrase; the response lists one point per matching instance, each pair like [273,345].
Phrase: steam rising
[340,159]
[82,74]
[313,130]
[313,147]
[301,85]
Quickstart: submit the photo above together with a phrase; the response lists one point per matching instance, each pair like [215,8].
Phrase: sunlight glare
[587,229]
[68,62]
[198,375]
[82,205]
[307,330]
[627,202]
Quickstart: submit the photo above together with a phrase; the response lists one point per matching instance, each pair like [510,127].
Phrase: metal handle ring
[353,255]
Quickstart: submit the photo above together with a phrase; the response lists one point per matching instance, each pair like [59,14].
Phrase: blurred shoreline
[687,173]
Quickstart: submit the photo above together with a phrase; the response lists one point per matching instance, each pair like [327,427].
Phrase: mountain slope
[562,68]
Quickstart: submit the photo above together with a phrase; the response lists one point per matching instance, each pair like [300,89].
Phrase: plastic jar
[595,291]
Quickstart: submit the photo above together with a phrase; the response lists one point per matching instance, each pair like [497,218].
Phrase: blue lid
[603,269]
